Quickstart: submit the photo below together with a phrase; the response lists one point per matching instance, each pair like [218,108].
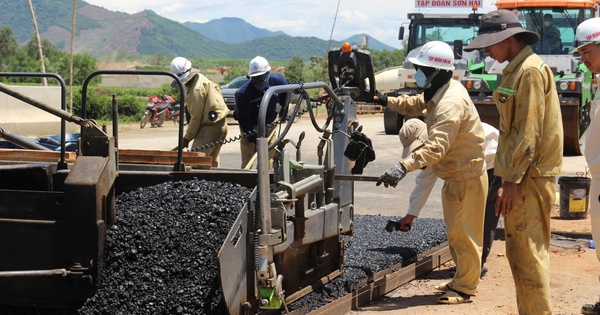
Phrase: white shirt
[591,146]
[426,179]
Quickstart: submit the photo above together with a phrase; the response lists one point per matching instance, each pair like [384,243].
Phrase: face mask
[421,79]
[547,23]
[261,82]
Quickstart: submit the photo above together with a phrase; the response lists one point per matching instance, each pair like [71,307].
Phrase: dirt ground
[574,281]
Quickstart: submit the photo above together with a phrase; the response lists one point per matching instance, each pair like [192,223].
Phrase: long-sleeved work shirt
[248,99]
[455,138]
[531,130]
[426,178]
[205,104]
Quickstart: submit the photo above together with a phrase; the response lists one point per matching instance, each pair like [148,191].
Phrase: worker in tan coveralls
[529,154]
[208,111]
[454,149]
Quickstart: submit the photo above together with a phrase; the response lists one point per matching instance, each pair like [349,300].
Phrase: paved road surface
[369,199]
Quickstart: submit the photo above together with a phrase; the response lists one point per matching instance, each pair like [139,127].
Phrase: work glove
[380,98]
[392,176]
[251,136]
[359,149]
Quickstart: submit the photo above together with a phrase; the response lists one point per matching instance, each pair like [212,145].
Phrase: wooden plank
[156,152]
[196,159]
[35,155]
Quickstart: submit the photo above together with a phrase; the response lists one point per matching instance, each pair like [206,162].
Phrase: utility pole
[71,61]
[37,35]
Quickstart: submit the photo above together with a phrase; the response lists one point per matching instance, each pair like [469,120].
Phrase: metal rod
[50,222]
[303,186]
[177,167]
[115,118]
[21,141]
[34,273]
[54,111]
[62,164]
[360,178]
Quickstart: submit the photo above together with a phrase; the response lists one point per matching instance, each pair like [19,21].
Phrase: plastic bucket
[574,197]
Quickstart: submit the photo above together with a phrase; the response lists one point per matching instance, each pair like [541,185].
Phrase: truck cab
[456,29]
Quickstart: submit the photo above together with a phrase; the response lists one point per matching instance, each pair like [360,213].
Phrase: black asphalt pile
[373,249]
[161,253]
[160,256]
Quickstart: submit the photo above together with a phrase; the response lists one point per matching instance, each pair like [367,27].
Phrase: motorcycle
[156,112]
[175,110]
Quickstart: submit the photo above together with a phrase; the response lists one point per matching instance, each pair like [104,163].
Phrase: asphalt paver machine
[286,240]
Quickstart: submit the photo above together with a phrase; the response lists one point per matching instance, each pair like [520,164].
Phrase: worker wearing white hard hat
[587,36]
[454,150]
[208,112]
[247,103]
[413,135]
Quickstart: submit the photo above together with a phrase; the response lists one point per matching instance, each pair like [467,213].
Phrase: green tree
[295,70]
[8,47]
[317,70]
[386,59]
[26,59]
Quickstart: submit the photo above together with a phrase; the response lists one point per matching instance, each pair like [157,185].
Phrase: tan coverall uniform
[455,151]
[204,101]
[530,149]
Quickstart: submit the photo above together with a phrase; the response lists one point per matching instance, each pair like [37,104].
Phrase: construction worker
[529,155]
[454,150]
[247,101]
[208,111]
[587,36]
[550,36]
[413,135]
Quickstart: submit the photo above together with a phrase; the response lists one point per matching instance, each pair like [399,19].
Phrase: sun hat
[497,26]
[412,135]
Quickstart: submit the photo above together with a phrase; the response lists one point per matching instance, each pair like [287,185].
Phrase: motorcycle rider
[208,112]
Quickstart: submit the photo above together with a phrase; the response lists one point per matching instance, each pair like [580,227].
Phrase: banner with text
[447,3]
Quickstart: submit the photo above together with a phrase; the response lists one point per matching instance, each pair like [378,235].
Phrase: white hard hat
[258,66]
[181,67]
[588,32]
[435,54]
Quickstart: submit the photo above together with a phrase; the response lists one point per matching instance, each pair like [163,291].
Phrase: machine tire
[145,120]
[392,121]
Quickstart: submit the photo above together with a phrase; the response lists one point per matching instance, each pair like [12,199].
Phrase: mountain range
[104,33]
